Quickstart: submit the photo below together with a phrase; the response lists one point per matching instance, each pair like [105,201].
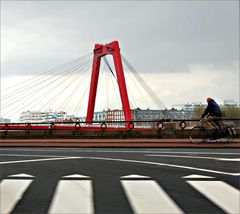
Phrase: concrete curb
[113,143]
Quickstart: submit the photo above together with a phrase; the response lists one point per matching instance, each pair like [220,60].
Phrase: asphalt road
[109,181]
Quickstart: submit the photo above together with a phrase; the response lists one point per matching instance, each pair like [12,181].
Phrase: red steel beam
[100,51]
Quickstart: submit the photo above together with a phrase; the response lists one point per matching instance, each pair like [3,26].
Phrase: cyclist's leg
[222,128]
[216,122]
[216,130]
[208,122]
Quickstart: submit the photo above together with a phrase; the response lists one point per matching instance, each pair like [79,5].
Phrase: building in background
[114,116]
[231,103]
[4,120]
[42,117]
[100,116]
[144,116]
[189,106]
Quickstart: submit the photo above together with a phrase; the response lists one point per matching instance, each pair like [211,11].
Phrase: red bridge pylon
[100,51]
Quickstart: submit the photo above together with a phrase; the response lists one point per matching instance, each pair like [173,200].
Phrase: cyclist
[212,114]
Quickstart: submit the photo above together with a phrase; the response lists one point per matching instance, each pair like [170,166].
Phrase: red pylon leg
[100,51]
[122,85]
[93,88]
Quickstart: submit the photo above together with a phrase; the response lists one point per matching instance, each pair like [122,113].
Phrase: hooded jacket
[212,109]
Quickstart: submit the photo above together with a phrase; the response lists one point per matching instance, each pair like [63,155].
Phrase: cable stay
[72,80]
[114,83]
[29,93]
[132,102]
[136,86]
[42,79]
[107,84]
[77,108]
[43,90]
[150,92]
[109,67]
[80,81]
[138,89]
[36,98]
[24,94]
[49,72]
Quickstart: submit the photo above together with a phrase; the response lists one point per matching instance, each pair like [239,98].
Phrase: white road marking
[146,196]
[197,176]
[76,176]
[135,176]
[164,164]
[229,159]
[22,175]
[25,155]
[223,195]
[208,151]
[11,192]
[38,160]
[73,196]
[151,155]
[197,157]
[126,160]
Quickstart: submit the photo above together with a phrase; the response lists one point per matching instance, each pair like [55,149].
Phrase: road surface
[126,180]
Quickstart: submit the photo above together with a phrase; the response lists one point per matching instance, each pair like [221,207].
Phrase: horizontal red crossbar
[58,127]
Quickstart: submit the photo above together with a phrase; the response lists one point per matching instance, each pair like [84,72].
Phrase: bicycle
[222,133]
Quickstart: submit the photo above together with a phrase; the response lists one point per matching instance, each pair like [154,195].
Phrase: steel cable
[150,92]
[63,89]
[42,77]
[44,87]
[136,86]
[45,84]
[67,101]
[36,98]
[51,70]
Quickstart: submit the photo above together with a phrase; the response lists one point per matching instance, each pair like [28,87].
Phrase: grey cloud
[154,36]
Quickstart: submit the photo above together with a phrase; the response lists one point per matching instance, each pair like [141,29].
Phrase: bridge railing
[112,125]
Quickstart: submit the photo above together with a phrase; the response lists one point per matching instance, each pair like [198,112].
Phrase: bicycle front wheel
[198,134]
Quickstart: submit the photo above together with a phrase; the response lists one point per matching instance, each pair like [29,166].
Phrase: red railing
[109,125]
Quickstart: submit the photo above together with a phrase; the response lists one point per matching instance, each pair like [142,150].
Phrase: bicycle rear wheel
[198,134]
[227,135]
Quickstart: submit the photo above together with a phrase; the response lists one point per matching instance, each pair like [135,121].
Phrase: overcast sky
[187,50]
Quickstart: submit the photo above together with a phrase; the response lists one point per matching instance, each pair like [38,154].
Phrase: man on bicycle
[212,113]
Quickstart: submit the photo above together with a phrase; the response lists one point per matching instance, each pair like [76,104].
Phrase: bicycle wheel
[226,135]
[198,134]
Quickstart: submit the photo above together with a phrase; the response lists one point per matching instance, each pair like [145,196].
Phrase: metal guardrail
[102,125]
